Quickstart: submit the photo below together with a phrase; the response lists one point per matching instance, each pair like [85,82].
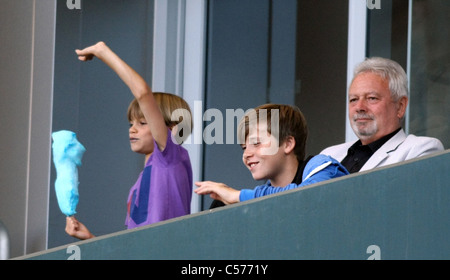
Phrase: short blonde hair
[173,108]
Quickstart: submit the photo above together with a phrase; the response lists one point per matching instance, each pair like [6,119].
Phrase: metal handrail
[4,242]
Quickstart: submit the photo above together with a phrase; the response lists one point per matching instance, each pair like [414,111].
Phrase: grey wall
[26,83]
[92,101]
[88,99]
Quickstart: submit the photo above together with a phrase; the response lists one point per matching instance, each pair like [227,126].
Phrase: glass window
[416,34]
[430,70]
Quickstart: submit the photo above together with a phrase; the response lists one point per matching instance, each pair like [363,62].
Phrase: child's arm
[137,85]
[76,229]
[218,191]
[320,168]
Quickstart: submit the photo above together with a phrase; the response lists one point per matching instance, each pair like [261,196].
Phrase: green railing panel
[397,212]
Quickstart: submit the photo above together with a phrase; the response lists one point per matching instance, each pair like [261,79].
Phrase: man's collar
[375,145]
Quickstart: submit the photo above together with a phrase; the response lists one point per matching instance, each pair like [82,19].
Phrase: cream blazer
[399,148]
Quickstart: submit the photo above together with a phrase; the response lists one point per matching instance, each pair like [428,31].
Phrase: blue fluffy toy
[67,154]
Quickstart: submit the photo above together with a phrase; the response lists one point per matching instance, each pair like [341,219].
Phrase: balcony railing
[396,212]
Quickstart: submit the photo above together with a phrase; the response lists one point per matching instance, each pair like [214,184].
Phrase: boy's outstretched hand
[76,229]
[218,191]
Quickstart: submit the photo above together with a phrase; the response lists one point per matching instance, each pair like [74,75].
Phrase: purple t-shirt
[163,189]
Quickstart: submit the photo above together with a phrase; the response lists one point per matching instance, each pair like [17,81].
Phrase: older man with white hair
[378,97]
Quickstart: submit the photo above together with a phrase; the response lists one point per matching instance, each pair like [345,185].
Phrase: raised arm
[136,84]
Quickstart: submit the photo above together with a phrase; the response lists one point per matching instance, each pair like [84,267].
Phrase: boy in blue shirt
[273,140]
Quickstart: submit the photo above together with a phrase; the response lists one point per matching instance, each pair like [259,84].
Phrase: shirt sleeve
[171,152]
[247,194]
[330,169]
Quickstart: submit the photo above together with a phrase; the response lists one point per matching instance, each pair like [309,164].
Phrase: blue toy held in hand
[67,154]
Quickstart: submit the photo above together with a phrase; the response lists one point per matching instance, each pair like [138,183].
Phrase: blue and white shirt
[318,169]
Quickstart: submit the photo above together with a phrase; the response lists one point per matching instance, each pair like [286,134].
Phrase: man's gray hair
[388,69]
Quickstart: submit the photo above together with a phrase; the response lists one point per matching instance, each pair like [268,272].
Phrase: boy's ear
[289,145]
